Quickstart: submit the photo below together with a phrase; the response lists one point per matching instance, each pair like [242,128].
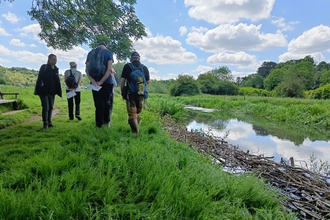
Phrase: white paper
[70,94]
[92,87]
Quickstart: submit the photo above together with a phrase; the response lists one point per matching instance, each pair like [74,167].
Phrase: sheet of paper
[92,87]
[70,94]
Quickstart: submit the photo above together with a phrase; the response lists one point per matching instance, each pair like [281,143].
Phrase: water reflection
[257,140]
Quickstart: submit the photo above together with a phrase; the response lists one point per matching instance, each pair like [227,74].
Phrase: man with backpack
[98,69]
[133,85]
[72,79]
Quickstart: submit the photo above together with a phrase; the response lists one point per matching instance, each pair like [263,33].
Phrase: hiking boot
[134,125]
[45,127]
[78,117]
[50,125]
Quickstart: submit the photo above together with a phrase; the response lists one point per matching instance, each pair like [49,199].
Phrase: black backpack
[96,67]
[71,81]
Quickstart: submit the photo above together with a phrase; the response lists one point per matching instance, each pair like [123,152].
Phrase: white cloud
[284,26]
[76,54]
[17,42]
[4,61]
[183,30]
[235,38]
[241,59]
[31,31]
[163,50]
[229,11]
[312,42]
[203,69]
[23,55]
[12,18]
[3,32]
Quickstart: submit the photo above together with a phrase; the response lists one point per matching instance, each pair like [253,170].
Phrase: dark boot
[50,124]
[45,126]
[133,123]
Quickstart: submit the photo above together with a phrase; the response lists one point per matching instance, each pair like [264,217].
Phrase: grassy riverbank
[76,171]
[313,113]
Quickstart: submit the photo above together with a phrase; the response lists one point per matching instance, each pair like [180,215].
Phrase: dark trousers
[76,103]
[47,103]
[103,104]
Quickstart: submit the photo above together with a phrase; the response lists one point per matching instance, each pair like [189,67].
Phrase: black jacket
[48,82]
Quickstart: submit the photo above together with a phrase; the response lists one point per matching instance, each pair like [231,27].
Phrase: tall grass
[314,113]
[77,171]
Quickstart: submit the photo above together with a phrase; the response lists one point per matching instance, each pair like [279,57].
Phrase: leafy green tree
[67,23]
[265,68]
[208,83]
[227,88]
[273,79]
[290,87]
[253,80]
[222,73]
[321,69]
[305,71]
[184,85]
[325,78]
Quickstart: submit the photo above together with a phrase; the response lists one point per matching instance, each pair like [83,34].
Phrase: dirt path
[38,117]
[34,118]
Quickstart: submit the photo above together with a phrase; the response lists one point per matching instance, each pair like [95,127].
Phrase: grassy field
[77,171]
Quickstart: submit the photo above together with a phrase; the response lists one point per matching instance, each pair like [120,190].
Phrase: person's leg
[99,107]
[70,107]
[44,112]
[107,94]
[77,103]
[132,113]
[51,100]
[139,106]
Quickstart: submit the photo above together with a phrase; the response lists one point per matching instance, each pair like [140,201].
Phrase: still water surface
[256,140]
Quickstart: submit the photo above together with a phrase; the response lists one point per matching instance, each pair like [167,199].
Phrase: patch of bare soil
[307,193]
[39,118]
[11,112]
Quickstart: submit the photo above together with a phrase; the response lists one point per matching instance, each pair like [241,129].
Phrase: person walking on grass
[98,69]
[47,86]
[136,76]
[73,87]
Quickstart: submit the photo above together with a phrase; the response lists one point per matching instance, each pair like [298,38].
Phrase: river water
[259,141]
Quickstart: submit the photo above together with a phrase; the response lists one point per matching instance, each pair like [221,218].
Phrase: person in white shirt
[78,76]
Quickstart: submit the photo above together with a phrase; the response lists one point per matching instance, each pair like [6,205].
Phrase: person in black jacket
[47,86]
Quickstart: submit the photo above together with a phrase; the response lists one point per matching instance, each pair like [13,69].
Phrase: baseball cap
[73,64]
[135,55]
[102,43]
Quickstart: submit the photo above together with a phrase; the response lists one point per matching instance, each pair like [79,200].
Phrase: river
[307,147]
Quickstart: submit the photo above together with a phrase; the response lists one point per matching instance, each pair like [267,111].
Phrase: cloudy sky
[191,36]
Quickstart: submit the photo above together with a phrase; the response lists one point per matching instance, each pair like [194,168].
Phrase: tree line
[294,78]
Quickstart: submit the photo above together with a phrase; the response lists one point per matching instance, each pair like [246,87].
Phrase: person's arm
[146,73]
[79,79]
[107,73]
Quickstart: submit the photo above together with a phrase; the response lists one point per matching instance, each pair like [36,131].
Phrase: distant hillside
[17,76]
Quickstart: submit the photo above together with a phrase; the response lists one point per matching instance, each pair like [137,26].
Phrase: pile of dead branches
[308,193]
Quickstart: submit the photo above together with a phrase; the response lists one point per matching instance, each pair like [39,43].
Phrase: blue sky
[190,36]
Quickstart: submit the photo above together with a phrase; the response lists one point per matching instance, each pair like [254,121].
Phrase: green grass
[77,171]
[306,112]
